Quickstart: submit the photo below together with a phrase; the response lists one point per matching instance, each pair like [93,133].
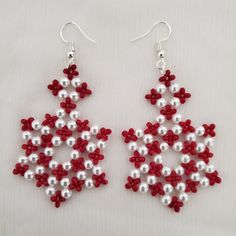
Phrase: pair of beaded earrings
[68,127]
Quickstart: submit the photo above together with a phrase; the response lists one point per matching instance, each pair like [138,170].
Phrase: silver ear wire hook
[160,63]
[71,53]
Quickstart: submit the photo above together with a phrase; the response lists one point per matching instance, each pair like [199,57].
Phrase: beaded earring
[150,174]
[64,128]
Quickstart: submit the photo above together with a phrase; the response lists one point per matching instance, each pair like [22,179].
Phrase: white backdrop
[200,52]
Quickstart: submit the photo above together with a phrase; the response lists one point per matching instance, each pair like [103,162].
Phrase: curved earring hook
[150,30]
[79,28]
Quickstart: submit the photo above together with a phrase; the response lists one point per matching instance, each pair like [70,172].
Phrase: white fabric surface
[201,52]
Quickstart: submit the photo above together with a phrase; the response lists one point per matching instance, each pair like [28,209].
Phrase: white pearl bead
[177,129]
[209,142]
[143,150]
[160,119]
[151,179]
[164,146]
[183,197]
[64,82]
[135,174]
[66,193]
[81,175]
[22,160]
[67,165]
[36,141]
[65,182]
[101,144]
[200,131]
[144,168]
[74,115]
[89,183]
[201,165]
[45,130]
[179,170]
[75,82]
[85,135]
[71,124]
[132,146]
[33,157]
[168,188]
[166,200]
[195,176]
[36,125]
[177,118]
[161,88]
[94,130]
[185,158]
[88,164]
[39,170]
[162,130]
[161,102]
[147,138]
[97,170]
[158,159]
[74,154]
[62,94]
[178,146]
[204,182]
[210,168]
[181,187]
[53,164]
[166,171]
[139,133]
[48,151]
[200,147]
[174,88]
[74,96]
[26,135]
[50,191]
[60,123]
[29,175]
[90,147]
[52,181]
[70,141]
[175,102]
[191,137]
[60,113]
[143,187]
[56,141]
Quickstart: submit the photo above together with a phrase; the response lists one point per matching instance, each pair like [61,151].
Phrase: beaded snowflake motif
[86,142]
[194,170]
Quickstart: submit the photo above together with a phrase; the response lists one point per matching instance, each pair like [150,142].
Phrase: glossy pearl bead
[97,170]
[81,175]
[91,147]
[48,151]
[74,115]
[66,193]
[191,137]
[101,144]
[195,177]
[60,123]
[89,183]
[178,146]
[70,141]
[85,135]
[209,142]
[166,171]
[166,200]
[162,130]
[147,138]
[33,157]
[39,170]
[200,147]
[135,174]
[164,146]
[71,124]
[161,102]
[210,168]
[65,182]
[177,118]
[36,125]
[29,175]
[143,150]
[139,133]
[26,135]
[36,141]
[62,94]
[74,96]
[204,182]
[160,119]
[56,141]
[151,179]
[94,130]
[53,164]
[158,159]
[183,197]
[177,129]
[201,165]
[60,113]
[175,102]
[45,130]
[75,82]
[66,165]
[22,160]
[52,181]
[132,146]
[174,88]
[50,191]
[161,88]
[185,158]
[144,168]
[179,170]
[168,188]
[74,154]
[64,82]
[143,187]
[181,187]
[200,131]
[88,164]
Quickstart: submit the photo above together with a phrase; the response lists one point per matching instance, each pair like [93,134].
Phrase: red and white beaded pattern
[192,145]
[65,127]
